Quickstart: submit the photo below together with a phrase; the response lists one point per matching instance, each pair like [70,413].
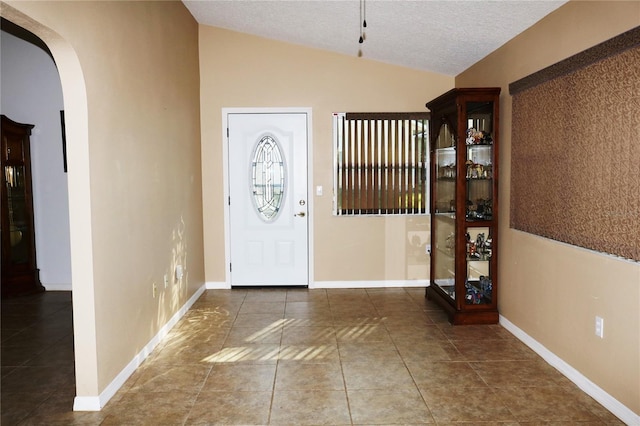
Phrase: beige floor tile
[253,335]
[591,404]
[437,316]
[314,335]
[307,295]
[309,319]
[381,352]
[298,311]
[210,316]
[309,353]
[262,308]
[240,377]
[437,350]
[351,319]
[355,311]
[545,403]
[231,408]
[266,295]
[321,306]
[184,337]
[465,404]
[309,376]
[289,357]
[397,407]
[411,318]
[469,332]
[191,353]
[397,308]
[517,373]
[363,333]
[444,374]
[374,375]
[259,320]
[415,333]
[492,350]
[197,323]
[149,408]
[310,407]
[164,378]
[267,353]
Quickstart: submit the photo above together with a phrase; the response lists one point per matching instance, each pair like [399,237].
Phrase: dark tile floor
[295,357]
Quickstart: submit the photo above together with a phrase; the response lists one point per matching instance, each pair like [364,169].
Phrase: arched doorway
[76,120]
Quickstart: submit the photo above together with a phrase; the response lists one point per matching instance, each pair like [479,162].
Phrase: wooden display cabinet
[19,272]
[464,204]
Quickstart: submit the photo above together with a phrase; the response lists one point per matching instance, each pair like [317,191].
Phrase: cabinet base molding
[458,317]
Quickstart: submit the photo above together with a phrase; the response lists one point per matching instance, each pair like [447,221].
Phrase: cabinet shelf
[464,223]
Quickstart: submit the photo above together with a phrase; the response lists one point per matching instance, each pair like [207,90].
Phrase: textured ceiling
[433,35]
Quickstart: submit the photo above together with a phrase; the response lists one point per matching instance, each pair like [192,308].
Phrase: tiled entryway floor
[296,357]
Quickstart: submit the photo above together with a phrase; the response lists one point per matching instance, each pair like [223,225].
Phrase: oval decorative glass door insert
[268,178]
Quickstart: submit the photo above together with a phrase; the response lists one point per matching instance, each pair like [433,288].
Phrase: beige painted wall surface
[550,290]
[140,67]
[239,70]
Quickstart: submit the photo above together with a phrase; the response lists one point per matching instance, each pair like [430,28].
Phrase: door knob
[301,214]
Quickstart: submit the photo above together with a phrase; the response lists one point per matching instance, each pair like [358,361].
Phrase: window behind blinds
[380,163]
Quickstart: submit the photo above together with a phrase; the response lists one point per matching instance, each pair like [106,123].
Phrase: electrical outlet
[179,272]
[600,327]
[166,280]
[427,248]
[155,290]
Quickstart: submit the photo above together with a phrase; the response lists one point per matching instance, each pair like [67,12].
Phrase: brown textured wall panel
[576,157]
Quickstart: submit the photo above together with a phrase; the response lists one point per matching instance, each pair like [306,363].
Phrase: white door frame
[225,174]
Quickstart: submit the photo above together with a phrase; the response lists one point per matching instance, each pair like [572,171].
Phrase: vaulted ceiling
[442,36]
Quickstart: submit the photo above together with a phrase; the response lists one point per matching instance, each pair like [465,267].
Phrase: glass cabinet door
[444,205]
[18,219]
[479,203]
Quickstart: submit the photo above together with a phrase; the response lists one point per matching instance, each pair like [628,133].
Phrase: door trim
[225,174]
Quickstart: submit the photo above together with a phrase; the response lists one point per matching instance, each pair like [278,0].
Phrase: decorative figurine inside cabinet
[464,204]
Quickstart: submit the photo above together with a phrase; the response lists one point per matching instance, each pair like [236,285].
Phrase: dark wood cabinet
[20,274]
[464,204]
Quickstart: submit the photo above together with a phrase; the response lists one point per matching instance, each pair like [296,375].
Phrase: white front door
[268,214]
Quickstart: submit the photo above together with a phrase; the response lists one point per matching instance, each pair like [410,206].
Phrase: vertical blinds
[381,163]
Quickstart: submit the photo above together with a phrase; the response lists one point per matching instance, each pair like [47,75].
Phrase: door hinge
[227,132]
[230,267]
[229,201]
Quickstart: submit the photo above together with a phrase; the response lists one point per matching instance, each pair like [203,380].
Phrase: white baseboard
[57,286]
[86,403]
[217,285]
[370,284]
[95,403]
[610,403]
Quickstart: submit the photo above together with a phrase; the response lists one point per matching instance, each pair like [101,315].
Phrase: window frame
[413,171]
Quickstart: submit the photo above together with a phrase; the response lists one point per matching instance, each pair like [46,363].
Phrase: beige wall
[550,290]
[240,70]
[130,79]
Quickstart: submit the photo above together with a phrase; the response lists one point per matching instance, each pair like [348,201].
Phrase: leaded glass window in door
[268,178]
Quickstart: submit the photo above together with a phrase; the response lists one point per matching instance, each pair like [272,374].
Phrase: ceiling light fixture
[363,24]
